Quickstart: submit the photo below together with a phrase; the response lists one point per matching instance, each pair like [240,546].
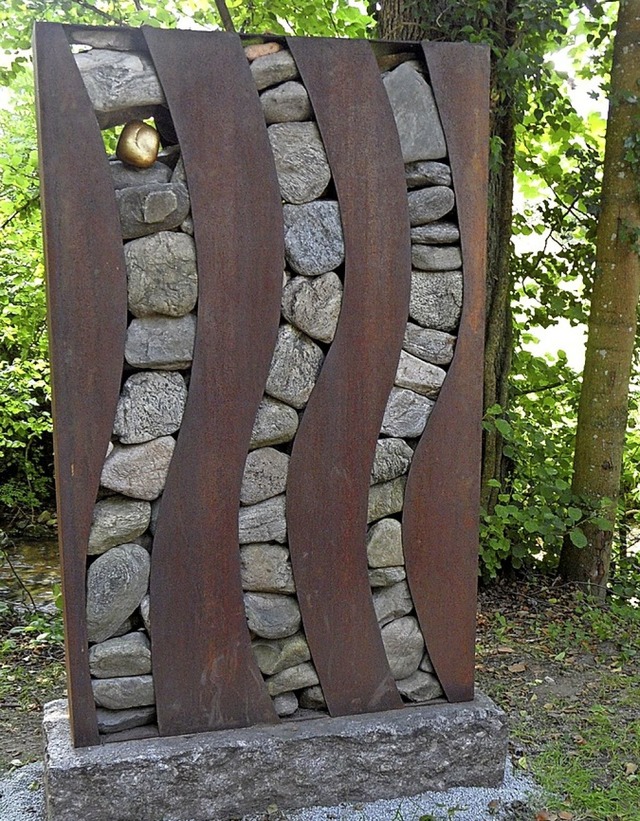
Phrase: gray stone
[415,113]
[266,568]
[286,103]
[162,277]
[116,582]
[392,459]
[312,698]
[419,376]
[274,424]
[155,512]
[426,664]
[301,162]
[179,173]
[139,471]
[313,240]
[272,616]
[118,81]
[392,754]
[147,209]
[128,655]
[126,176]
[151,405]
[294,368]
[313,305]
[386,498]
[114,721]
[435,233]
[186,226]
[264,522]
[274,68]
[277,655]
[404,646]
[406,413]
[384,544]
[430,204]
[293,678]
[433,346]
[145,610]
[146,541]
[392,603]
[419,174]
[123,693]
[386,576]
[117,520]
[128,626]
[420,687]
[434,258]
[436,299]
[161,342]
[285,704]
[265,475]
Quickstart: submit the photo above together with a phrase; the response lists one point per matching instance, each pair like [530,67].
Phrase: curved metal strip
[87,309]
[333,451]
[440,520]
[204,670]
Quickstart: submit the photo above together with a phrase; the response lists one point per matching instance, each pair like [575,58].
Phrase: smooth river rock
[272,616]
[139,471]
[286,103]
[434,258]
[404,646]
[266,568]
[294,678]
[161,342]
[406,413]
[124,693]
[273,68]
[430,204]
[392,603]
[313,304]
[436,299]
[151,405]
[392,458]
[264,522]
[420,686]
[126,176]
[114,721]
[433,346]
[128,655]
[265,475]
[312,698]
[419,376]
[274,656]
[274,424]
[285,704]
[301,162]
[162,277]
[384,544]
[422,173]
[386,499]
[313,238]
[117,520]
[386,576]
[147,209]
[294,368]
[435,233]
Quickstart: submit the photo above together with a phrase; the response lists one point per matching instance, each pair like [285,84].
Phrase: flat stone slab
[298,764]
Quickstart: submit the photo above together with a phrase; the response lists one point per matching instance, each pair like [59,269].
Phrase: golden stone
[138,145]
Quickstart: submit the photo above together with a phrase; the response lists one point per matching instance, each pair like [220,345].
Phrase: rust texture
[333,451]
[440,520]
[87,299]
[205,673]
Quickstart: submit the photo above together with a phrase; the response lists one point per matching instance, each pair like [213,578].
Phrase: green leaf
[578,538]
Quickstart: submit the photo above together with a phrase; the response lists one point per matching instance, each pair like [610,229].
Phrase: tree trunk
[602,414]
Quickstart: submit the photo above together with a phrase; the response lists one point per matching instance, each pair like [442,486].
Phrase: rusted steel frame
[442,499]
[205,673]
[87,312]
[333,451]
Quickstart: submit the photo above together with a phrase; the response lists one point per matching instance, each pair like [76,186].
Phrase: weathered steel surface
[205,673]
[440,521]
[333,451]
[87,304]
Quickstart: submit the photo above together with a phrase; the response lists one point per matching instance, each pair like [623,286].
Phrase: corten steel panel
[204,670]
[333,451]
[440,520]
[87,299]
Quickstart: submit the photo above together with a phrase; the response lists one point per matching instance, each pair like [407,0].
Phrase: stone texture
[426,664]
[274,68]
[264,522]
[386,576]
[274,424]
[313,240]
[433,346]
[128,655]
[415,113]
[385,499]
[294,368]
[116,582]
[433,258]
[272,616]
[313,305]
[161,342]
[126,176]
[422,173]
[392,603]
[275,656]
[392,754]
[404,646]
[287,103]
[419,376]
[436,299]
[139,471]
[114,721]
[285,704]
[293,678]
[162,277]
[151,405]
[419,687]
[384,544]
[147,209]
[145,610]
[256,50]
[435,233]
[312,698]
[266,568]
[265,475]
[301,163]
[392,459]
[117,520]
[406,413]
[123,693]
[430,204]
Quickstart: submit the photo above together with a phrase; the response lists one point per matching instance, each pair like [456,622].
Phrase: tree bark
[603,409]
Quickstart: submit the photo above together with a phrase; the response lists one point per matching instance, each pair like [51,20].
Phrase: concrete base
[304,763]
